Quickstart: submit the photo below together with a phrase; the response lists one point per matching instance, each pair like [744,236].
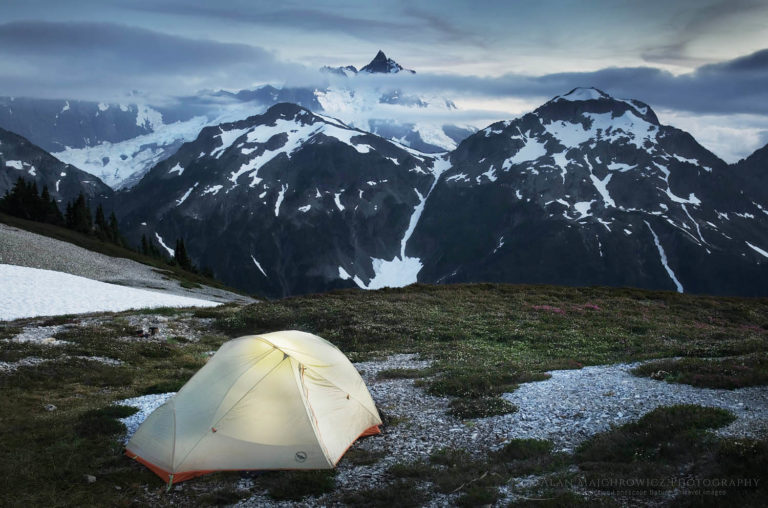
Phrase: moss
[98,422]
[728,373]
[482,407]
[295,485]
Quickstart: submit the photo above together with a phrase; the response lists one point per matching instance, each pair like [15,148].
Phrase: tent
[282,400]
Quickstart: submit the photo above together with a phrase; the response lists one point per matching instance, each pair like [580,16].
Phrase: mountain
[754,172]
[366,107]
[119,143]
[56,124]
[115,142]
[382,64]
[586,190]
[19,157]
[287,202]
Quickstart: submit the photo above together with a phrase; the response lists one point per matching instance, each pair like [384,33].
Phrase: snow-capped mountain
[111,141]
[19,157]
[382,64]
[381,108]
[587,190]
[288,202]
[119,143]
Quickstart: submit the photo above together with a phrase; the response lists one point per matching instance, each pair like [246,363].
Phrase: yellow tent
[283,400]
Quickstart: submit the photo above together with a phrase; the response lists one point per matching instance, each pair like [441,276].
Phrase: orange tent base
[172,478]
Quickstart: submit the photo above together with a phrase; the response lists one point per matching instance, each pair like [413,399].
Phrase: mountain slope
[754,173]
[287,202]
[19,157]
[586,190]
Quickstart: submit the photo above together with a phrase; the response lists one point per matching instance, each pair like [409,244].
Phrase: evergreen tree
[100,224]
[144,245]
[181,257]
[50,210]
[114,230]
[80,217]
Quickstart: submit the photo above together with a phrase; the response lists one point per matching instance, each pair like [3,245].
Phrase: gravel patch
[23,248]
[145,404]
[40,335]
[185,325]
[575,404]
[568,408]
[31,361]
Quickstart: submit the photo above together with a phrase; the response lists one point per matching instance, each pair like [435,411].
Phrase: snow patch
[176,169]
[663,257]
[757,249]
[258,265]
[602,188]
[337,200]
[171,252]
[280,197]
[530,151]
[15,165]
[186,195]
[227,138]
[212,189]
[29,292]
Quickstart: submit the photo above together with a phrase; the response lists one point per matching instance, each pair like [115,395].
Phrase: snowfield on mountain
[29,292]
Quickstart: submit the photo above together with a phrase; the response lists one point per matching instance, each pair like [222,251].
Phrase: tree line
[24,201]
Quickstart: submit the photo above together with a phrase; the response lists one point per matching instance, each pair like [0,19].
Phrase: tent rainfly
[282,400]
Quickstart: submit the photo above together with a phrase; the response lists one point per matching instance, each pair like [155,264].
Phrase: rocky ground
[140,358]
[566,409]
[23,248]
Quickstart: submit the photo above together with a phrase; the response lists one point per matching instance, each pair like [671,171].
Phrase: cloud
[734,86]
[105,60]
[698,21]
[362,21]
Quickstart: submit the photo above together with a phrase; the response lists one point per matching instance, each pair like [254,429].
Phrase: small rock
[50,407]
[90,478]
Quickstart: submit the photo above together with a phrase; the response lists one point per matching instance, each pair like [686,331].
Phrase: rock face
[287,202]
[384,65]
[753,171]
[588,190]
[19,157]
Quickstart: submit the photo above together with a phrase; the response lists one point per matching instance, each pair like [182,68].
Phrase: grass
[481,407]
[487,338]
[728,373]
[483,339]
[669,445]
[295,485]
[403,373]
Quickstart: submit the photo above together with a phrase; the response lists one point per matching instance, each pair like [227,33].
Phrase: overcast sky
[701,64]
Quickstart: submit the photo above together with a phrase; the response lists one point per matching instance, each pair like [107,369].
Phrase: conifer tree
[102,230]
[114,230]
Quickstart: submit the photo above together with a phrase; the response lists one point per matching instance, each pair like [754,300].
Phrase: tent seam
[230,409]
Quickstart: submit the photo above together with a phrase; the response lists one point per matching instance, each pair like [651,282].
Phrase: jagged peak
[382,64]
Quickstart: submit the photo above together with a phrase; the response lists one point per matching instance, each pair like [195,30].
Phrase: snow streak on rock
[663,258]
